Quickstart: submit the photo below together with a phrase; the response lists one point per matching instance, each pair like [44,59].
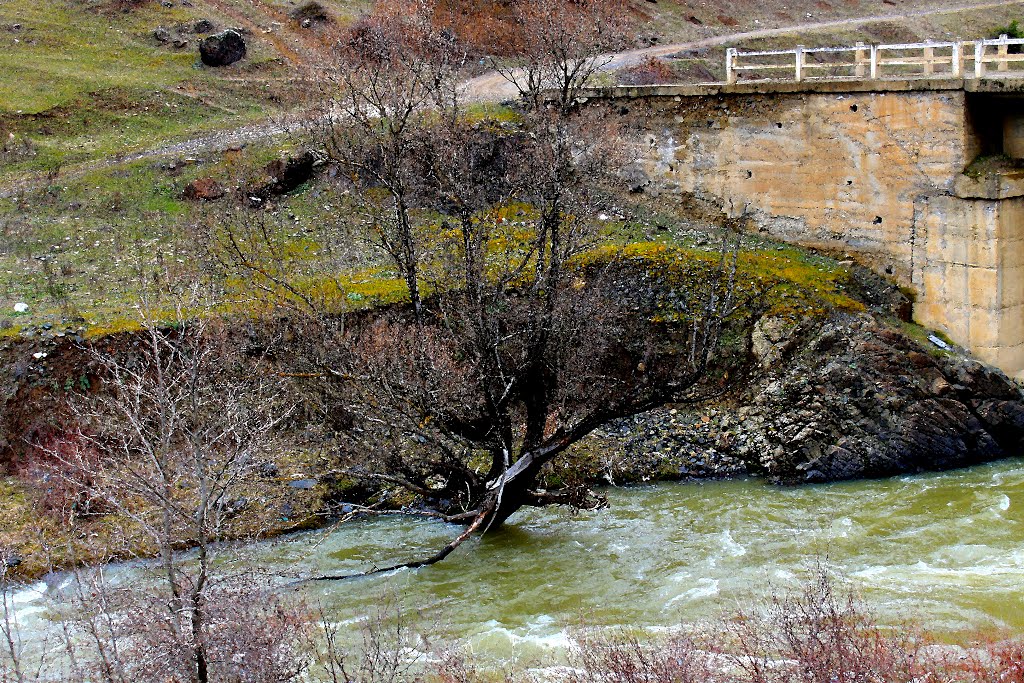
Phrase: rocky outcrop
[853,397]
[861,399]
[281,176]
[222,49]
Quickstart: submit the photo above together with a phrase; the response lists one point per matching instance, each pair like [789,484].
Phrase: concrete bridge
[915,176]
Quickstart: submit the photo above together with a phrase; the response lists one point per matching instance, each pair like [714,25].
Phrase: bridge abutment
[872,170]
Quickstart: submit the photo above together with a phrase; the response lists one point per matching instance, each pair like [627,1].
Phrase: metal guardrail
[929,59]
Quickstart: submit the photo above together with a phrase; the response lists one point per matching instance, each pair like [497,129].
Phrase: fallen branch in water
[437,557]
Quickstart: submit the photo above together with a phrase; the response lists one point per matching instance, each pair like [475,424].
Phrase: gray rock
[222,48]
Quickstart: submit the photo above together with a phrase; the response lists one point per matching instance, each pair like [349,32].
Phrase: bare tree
[168,442]
[395,71]
[515,345]
[563,46]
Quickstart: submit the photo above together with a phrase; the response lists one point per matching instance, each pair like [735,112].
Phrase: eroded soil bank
[836,396]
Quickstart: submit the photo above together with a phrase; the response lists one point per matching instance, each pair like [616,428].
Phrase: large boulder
[281,176]
[222,49]
[204,189]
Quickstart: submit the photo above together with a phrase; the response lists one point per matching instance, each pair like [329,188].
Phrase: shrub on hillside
[651,71]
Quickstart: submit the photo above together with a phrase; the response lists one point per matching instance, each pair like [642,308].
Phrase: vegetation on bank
[83,252]
[796,284]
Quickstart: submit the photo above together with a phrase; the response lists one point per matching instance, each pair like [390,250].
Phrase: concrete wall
[970,275]
[833,171]
[870,174]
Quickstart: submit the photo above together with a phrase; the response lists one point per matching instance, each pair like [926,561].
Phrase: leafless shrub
[61,473]
[819,635]
[390,649]
[250,634]
[621,657]
[171,441]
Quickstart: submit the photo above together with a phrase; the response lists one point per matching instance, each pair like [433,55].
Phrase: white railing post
[730,65]
[859,58]
[872,61]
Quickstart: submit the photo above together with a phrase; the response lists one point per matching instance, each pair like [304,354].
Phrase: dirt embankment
[851,395]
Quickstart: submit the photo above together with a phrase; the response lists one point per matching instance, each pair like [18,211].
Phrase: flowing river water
[945,548]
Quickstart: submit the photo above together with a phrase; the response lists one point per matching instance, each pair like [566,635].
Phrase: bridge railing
[957,59]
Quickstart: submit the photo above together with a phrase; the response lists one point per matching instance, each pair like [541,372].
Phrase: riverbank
[846,395]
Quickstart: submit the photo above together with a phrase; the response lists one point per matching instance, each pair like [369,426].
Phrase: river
[945,548]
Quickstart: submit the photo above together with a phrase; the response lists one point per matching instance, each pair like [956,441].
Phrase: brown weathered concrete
[863,168]
[970,273]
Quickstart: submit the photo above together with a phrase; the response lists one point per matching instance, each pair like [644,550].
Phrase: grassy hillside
[88,80]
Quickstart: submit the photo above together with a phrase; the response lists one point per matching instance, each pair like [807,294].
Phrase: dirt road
[492,87]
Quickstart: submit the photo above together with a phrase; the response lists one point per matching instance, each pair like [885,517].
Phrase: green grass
[118,122]
[64,53]
[79,84]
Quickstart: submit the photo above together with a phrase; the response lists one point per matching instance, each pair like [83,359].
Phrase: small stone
[21,307]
